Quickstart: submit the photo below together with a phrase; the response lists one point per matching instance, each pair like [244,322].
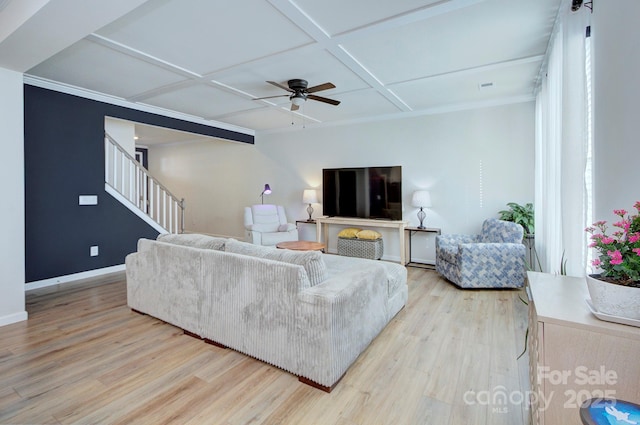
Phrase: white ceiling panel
[338,16]
[206,35]
[465,88]
[265,119]
[489,32]
[94,67]
[202,101]
[352,105]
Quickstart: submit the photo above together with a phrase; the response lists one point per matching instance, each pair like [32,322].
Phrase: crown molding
[118,101]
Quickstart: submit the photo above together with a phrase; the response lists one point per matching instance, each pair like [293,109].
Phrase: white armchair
[267,225]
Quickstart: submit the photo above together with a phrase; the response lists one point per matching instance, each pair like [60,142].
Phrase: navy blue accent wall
[64,158]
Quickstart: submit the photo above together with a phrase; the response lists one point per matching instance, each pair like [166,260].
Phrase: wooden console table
[574,356]
[322,228]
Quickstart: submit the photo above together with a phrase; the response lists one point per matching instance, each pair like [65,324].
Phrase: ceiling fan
[300,93]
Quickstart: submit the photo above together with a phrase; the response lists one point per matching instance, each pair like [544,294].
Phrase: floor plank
[84,357]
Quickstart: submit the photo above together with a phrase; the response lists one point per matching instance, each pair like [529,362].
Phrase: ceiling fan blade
[320,87]
[270,97]
[281,86]
[324,99]
[294,107]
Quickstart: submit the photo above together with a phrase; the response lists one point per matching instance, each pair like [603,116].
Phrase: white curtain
[561,195]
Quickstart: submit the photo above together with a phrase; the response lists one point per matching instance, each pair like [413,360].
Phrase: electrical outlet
[93,251]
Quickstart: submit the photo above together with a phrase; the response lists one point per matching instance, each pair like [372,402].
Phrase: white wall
[123,132]
[616,106]
[473,162]
[12,277]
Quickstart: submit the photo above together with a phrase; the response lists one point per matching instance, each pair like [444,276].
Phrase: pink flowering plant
[618,252]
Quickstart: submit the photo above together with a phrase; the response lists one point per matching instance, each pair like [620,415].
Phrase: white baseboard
[13,318]
[106,273]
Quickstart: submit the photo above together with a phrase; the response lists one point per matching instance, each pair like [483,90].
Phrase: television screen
[364,192]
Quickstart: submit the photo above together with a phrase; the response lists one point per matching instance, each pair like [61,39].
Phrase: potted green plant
[615,290]
[521,214]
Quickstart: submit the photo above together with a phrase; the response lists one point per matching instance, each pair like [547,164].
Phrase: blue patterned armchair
[494,259]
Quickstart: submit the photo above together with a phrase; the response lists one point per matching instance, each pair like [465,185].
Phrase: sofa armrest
[253,237]
[492,264]
[287,227]
[447,247]
[453,239]
[338,319]
[161,276]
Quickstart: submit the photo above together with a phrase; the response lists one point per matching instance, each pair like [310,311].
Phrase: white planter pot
[614,300]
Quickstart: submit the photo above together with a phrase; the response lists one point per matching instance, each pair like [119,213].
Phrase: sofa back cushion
[499,231]
[194,240]
[312,261]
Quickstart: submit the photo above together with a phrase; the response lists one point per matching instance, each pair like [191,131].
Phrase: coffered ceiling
[210,58]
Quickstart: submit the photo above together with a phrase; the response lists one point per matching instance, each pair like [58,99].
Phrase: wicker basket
[361,248]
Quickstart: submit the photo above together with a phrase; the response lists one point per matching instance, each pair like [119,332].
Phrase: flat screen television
[363,192]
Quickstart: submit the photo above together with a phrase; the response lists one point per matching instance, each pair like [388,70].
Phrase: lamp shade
[421,199]
[309,196]
[267,189]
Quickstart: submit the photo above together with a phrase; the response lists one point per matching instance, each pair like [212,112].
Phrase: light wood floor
[84,358]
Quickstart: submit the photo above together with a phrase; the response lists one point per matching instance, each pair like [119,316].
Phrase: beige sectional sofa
[308,313]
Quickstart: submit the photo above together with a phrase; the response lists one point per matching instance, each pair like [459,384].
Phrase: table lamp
[309,196]
[421,199]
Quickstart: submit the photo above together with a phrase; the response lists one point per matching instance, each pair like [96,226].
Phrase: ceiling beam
[129,51]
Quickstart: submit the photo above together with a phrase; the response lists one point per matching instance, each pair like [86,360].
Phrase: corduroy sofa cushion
[194,240]
[311,260]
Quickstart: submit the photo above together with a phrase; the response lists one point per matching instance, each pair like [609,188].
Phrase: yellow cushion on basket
[368,234]
[349,233]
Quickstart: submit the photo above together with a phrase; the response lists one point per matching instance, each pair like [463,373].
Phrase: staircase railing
[132,181]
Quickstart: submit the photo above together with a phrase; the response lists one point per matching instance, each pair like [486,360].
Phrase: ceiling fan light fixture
[298,99]
[299,92]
